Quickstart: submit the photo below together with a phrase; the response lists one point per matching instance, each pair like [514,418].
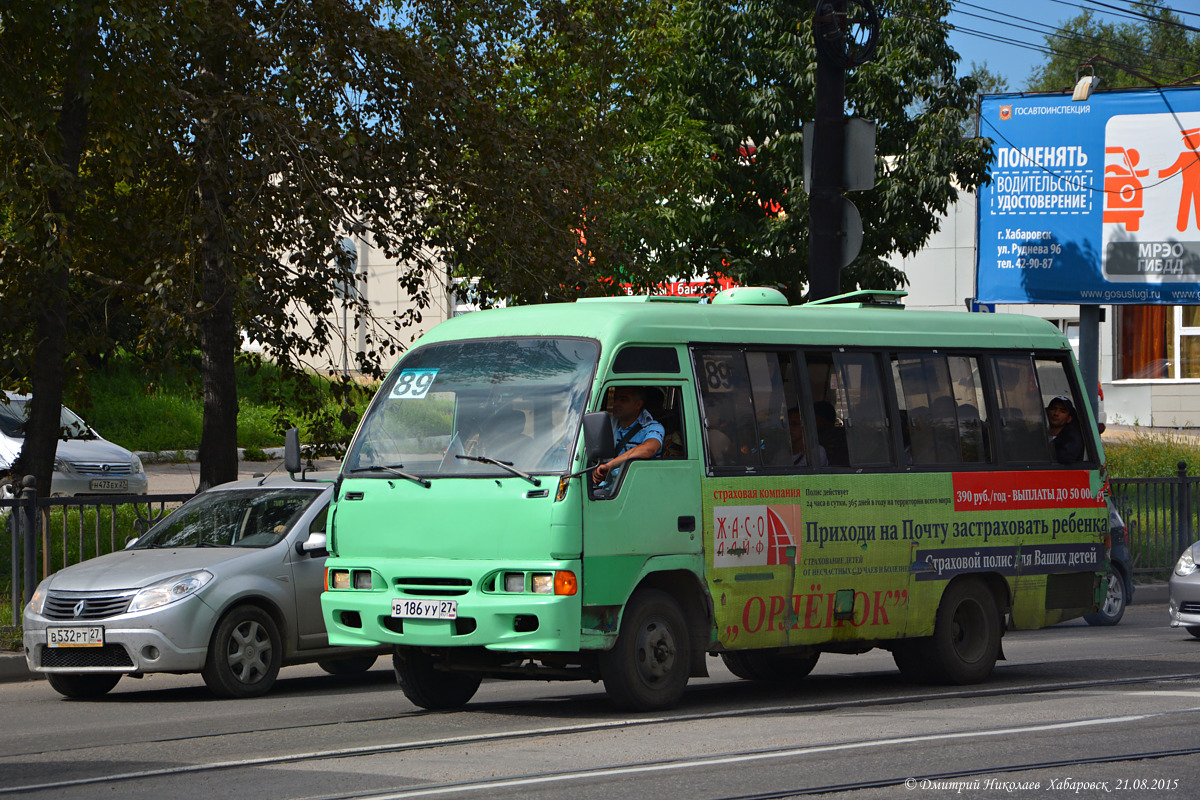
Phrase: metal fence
[49,533]
[1160,518]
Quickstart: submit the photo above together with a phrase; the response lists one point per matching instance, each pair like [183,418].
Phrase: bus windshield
[456,408]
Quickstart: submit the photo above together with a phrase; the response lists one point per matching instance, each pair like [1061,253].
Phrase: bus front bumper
[496,620]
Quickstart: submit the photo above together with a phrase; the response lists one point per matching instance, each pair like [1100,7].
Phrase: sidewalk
[12,665]
[183,477]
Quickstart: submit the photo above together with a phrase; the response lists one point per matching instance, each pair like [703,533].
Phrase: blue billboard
[1091,203]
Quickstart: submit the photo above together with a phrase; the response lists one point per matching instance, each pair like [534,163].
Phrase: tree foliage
[575,183]
[1156,48]
[749,77]
[69,151]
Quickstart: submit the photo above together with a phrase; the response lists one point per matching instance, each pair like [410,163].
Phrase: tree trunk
[49,368]
[218,332]
[218,346]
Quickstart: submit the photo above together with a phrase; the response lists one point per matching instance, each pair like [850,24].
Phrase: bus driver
[637,434]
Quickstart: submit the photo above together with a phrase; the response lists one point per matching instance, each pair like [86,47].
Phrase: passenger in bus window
[637,434]
[831,435]
[1064,431]
[799,457]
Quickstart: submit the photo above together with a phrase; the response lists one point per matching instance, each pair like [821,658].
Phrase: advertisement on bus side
[801,560]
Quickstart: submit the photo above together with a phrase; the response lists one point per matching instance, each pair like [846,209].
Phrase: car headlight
[170,590]
[1186,564]
[61,466]
[38,601]
[137,465]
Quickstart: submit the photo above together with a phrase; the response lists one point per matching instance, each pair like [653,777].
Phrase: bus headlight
[337,578]
[514,582]
[1186,564]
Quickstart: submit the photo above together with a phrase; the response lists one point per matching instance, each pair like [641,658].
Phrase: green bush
[1152,455]
[167,412]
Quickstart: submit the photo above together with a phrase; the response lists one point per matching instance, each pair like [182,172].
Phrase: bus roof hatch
[882,298]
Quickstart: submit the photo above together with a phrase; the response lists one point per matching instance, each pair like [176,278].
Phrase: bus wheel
[966,635]
[910,659]
[428,687]
[647,669]
[758,665]
[83,685]
[1113,609]
[348,666]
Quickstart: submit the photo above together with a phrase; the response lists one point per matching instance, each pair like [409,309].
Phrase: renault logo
[78,610]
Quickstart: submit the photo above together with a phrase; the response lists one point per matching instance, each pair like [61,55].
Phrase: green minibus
[829,478]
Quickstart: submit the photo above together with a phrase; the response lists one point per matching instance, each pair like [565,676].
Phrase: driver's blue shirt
[651,429]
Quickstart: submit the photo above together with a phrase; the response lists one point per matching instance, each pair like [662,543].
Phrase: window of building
[1158,342]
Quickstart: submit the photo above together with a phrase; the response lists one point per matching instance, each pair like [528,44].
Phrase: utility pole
[845,32]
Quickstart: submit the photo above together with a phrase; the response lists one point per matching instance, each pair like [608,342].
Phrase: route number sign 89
[413,384]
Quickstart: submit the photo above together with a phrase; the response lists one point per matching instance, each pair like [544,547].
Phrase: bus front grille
[433,587]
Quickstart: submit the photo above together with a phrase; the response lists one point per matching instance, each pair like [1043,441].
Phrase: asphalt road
[1074,712]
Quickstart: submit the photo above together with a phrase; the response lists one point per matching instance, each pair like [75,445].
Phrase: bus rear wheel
[966,636]
[766,665]
[429,687]
[648,668]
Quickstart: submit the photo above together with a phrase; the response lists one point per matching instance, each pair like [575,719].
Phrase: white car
[85,463]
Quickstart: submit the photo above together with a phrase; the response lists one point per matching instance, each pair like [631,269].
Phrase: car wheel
[1113,608]
[760,665]
[348,666]
[83,686]
[966,636]
[244,655]
[429,687]
[648,667]
[1194,630]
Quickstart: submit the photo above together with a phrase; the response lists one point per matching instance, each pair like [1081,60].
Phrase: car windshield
[251,518]
[15,413]
[454,409]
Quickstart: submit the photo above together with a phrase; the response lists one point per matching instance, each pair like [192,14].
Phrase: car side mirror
[130,541]
[317,544]
[291,451]
[598,443]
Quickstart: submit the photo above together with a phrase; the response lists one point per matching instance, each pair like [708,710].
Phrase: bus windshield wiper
[506,465]
[395,470]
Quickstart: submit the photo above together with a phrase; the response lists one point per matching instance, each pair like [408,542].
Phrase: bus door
[856,552]
[758,446]
[647,507]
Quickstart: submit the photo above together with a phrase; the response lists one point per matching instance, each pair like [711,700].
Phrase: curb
[181,456]
[14,669]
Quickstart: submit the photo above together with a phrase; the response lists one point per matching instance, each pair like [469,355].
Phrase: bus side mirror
[598,441]
[291,451]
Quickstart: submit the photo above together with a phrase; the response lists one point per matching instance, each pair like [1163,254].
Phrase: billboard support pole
[1089,354]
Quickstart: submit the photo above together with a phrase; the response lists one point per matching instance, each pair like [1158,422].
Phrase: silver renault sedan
[1184,603]
[228,585]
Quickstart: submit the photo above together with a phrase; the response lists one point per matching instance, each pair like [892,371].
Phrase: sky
[1010,35]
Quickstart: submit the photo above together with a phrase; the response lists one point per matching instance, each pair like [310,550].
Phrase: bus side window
[1055,385]
[745,404]
[857,433]
[1024,435]
[663,404]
